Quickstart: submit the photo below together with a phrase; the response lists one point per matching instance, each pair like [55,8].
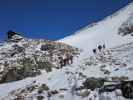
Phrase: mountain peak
[106,31]
[14,36]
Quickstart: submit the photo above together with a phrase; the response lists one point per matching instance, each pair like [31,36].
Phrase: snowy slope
[103,32]
[73,75]
[116,62]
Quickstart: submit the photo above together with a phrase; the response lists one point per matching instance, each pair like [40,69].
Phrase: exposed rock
[127,89]
[127,27]
[122,78]
[45,87]
[93,83]
[13,36]
[83,93]
[25,58]
[11,75]
[47,47]
[54,92]
[42,88]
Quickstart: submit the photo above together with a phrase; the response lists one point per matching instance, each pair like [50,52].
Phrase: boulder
[10,34]
[47,47]
[24,68]
[127,89]
[93,83]
[13,36]
[83,93]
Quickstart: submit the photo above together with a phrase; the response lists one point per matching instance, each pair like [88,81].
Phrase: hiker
[94,51]
[61,62]
[71,59]
[67,59]
[104,46]
[100,48]
[100,54]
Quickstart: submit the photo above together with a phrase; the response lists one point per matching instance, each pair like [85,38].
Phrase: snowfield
[113,62]
[103,32]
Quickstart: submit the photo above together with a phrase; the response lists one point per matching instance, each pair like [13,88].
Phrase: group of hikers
[101,53]
[65,60]
[99,48]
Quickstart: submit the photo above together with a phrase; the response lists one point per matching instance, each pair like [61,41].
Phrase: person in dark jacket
[71,59]
[94,51]
[99,47]
[61,61]
[65,62]
[104,46]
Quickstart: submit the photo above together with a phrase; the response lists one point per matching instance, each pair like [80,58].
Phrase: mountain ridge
[102,32]
[92,73]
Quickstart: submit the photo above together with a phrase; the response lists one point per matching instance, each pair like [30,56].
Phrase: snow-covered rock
[112,63]
[21,57]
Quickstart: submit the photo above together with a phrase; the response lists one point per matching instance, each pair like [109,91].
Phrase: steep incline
[61,83]
[113,63]
[103,32]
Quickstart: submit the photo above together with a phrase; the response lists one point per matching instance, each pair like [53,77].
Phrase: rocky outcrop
[26,57]
[93,83]
[10,34]
[13,36]
[127,27]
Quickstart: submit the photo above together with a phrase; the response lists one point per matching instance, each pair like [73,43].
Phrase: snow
[58,79]
[8,87]
[103,32]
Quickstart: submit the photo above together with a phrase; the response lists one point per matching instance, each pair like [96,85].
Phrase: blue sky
[53,19]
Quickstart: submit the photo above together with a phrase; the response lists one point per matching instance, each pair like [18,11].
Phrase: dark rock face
[127,27]
[127,89]
[126,30]
[10,34]
[109,88]
[93,83]
[11,75]
[47,47]
[13,36]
